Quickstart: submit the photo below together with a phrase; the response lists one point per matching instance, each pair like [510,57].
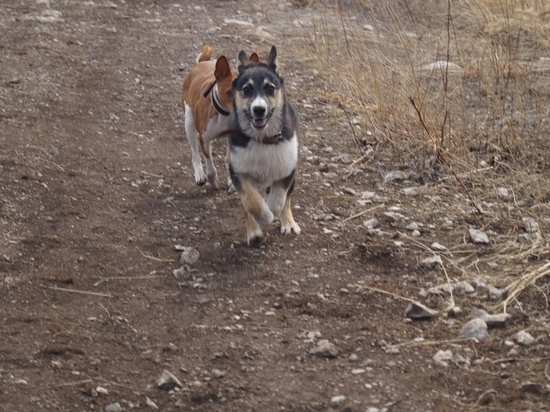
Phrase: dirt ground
[97,192]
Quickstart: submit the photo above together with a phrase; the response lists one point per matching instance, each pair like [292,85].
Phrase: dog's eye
[248,90]
[269,89]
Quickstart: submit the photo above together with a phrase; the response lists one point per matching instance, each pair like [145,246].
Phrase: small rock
[324,349]
[417,310]
[395,176]
[491,320]
[189,255]
[524,338]
[478,236]
[442,357]
[218,374]
[532,387]
[353,357]
[442,65]
[392,217]
[475,329]
[496,293]
[411,191]
[101,390]
[344,159]
[431,262]
[113,407]
[168,381]
[416,233]
[530,225]
[337,400]
[412,226]
[150,403]
[323,167]
[372,223]
[462,287]
[357,371]
[437,246]
[503,193]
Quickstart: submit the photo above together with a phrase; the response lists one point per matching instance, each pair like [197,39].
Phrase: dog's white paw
[286,230]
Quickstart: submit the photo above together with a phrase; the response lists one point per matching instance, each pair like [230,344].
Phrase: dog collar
[273,139]
[220,108]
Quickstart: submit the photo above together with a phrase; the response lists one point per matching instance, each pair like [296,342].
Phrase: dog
[262,145]
[207,102]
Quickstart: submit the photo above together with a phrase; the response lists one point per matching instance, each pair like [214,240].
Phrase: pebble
[337,400]
[324,349]
[168,381]
[530,225]
[411,191]
[478,237]
[395,176]
[491,320]
[189,255]
[503,193]
[438,247]
[357,371]
[150,403]
[475,329]
[372,223]
[442,357]
[113,407]
[345,159]
[412,226]
[532,387]
[431,262]
[353,357]
[416,310]
[524,338]
[462,287]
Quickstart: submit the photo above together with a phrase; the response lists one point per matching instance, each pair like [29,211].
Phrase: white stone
[524,338]
[478,236]
[442,357]
[475,329]
[337,400]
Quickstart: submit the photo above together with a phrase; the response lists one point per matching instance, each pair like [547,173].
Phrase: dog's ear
[272,59]
[254,58]
[243,60]
[222,68]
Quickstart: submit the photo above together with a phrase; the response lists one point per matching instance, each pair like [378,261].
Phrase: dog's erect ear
[222,68]
[254,58]
[243,60]
[272,59]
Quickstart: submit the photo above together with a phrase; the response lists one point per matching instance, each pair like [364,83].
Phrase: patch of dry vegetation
[457,91]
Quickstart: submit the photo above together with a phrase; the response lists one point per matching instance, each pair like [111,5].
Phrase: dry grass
[458,92]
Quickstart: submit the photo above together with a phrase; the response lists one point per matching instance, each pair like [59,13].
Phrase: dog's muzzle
[259,116]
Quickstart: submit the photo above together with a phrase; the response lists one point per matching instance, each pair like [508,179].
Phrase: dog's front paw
[254,237]
[288,229]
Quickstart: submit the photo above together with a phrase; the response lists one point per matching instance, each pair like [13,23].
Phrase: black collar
[213,89]
[272,139]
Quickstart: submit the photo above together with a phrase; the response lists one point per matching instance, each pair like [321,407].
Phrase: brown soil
[96,191]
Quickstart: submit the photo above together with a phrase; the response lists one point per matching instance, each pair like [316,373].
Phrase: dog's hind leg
[211,172]
[194,143]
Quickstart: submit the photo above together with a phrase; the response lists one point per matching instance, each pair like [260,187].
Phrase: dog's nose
[259,111]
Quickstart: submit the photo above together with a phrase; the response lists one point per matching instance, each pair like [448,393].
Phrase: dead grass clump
[458,87]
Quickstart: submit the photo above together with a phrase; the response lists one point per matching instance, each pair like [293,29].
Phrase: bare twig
[157,259]
[81,292]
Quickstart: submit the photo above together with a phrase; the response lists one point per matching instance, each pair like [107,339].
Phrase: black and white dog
[263,145]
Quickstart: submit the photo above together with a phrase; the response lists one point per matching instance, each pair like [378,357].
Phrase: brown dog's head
[224,79]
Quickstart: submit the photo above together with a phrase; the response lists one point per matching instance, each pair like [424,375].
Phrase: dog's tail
[206,53]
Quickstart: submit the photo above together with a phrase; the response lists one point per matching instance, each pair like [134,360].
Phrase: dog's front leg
[257,211]
[278,201]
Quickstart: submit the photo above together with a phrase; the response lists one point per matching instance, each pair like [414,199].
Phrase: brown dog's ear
[222,68]
[254,58]
[272,59]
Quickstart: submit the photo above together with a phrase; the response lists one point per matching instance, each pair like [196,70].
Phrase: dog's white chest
[266,163]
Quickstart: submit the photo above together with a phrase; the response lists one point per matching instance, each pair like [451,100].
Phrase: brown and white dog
[207,101]
[263,145]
